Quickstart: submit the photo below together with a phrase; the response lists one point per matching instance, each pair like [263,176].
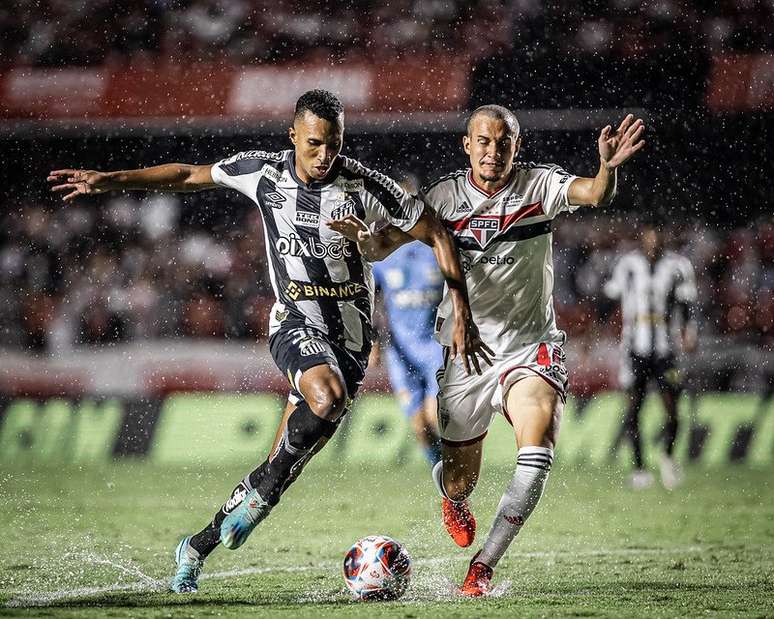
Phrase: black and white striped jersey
[649,293]
[320,280]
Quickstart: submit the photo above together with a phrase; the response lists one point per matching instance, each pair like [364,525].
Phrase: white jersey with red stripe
[504,241]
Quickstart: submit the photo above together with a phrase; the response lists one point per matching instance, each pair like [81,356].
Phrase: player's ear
[518,147]
[292,135]
[466,144]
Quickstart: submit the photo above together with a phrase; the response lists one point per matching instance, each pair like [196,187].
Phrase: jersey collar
[332,175]
[481,190]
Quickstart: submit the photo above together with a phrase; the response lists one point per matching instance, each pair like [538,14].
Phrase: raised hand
[617,147]
[351,227]
[78,182]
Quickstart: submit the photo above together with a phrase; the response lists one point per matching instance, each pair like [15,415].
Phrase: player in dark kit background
[320,328]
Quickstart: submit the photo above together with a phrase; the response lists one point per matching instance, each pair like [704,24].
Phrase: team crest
[344,208]
[484,229]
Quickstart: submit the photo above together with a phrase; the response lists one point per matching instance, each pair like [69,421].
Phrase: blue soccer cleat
[189,566]
[238,525]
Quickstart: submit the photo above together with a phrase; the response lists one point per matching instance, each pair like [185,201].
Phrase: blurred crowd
[55,33]
[136,267]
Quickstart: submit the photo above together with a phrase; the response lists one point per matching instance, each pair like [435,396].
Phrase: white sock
[437,474]
[520,498]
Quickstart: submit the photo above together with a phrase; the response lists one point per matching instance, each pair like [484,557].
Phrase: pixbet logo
[294,245]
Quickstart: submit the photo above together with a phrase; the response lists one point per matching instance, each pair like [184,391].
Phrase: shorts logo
[239,494]
[274,199]
[310,220]
[311,346]
[552,364]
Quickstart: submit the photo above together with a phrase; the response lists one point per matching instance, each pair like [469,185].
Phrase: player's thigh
[534,408]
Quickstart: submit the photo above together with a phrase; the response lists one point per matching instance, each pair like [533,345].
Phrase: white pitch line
[149,584]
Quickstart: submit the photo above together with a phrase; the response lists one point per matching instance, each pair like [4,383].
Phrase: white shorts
[467,404]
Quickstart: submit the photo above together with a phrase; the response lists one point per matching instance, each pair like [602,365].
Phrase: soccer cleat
[189,566]
[459,522]
[478,579]
[671,475]
[238,525]
[640,479]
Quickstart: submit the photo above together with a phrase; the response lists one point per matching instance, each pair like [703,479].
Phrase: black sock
[303,431]
[206,540]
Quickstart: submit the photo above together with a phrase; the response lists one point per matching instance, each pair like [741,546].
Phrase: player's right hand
[468,344]
[78,182]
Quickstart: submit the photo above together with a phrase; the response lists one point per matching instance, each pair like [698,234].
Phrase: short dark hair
[500,113]
[322,103]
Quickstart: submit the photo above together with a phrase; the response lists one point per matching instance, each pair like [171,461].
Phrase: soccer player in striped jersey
[320,327]
[657,292]
[500,213]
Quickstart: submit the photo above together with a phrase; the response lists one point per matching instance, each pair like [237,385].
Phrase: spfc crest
[484,229]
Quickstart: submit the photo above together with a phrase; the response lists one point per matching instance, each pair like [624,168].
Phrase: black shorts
[663,370]
[295,349]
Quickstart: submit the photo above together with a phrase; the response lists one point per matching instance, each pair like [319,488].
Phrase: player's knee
[328,398]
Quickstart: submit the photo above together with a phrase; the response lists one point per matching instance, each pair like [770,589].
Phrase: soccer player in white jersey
[657,291]
[500,213]
[320,328]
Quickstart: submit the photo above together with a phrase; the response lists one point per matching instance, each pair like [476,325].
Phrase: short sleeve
[240,172]
[686,291]
[436,199]
[555,183]
[385,200]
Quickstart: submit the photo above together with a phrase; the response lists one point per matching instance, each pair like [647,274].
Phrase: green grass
[592,548]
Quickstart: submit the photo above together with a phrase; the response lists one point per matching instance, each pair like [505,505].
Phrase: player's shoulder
[360,177]
[446,182]
[250,161]
[532,169]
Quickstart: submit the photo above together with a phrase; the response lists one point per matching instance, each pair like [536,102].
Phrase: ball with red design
[377,568]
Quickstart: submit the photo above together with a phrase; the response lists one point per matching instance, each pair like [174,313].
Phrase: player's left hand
[351,227]
[617,147]
[467,343]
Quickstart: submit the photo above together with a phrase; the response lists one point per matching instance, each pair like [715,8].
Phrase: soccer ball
[377,568]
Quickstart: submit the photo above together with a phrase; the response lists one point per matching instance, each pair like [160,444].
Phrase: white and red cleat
[478,580]
[459,522]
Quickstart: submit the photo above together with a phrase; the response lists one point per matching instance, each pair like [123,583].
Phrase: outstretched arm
[167,177]
[615,148]
[429,230]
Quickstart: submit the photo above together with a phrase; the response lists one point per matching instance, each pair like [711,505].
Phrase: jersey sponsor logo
[305,291]
[468,264]
[274,199]
[271,173]
[351,185]
[310,220]
[294,245]
[513,200]
[344,208]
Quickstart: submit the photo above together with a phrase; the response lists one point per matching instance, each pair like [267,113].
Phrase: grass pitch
[96,542]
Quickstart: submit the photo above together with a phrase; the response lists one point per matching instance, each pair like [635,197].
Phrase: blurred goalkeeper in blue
[412,287]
